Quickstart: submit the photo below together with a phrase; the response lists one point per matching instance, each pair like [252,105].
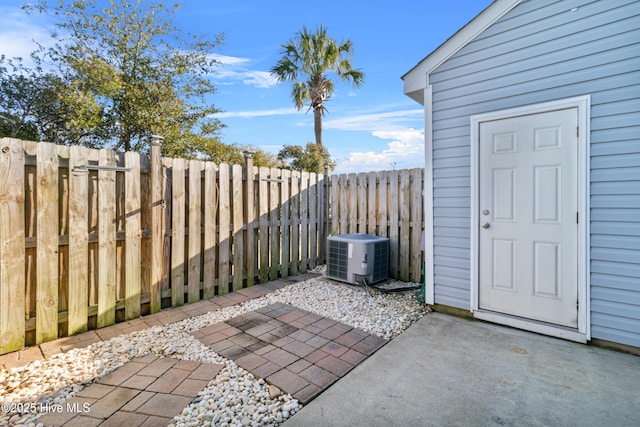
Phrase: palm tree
[306,61]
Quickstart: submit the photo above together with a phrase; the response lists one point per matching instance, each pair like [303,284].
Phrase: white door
[528,229]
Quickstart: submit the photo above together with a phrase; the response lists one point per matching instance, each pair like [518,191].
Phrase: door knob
[486,225]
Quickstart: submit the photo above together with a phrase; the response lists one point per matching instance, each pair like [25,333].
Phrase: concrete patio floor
[446,370]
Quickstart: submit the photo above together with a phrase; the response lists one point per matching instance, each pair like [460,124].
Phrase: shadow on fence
[89,237]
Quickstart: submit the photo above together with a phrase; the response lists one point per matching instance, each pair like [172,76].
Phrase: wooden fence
[89,238]
[387,204]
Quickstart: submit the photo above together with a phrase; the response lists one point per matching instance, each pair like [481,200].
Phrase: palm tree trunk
[317,125]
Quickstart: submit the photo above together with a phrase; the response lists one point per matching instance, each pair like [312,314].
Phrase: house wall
[540,51]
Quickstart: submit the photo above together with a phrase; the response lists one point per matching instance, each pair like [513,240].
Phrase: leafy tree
[32,107]
[311,158]
[17,99]
[28,100]
[263,158]
[234,154]
[307,60]
[130,73]
[12,127]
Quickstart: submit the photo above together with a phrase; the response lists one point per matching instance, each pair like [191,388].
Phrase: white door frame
[583,333]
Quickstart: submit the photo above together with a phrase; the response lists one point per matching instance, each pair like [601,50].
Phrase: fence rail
[90,237]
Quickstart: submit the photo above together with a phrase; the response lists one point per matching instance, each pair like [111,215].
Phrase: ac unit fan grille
[338,262]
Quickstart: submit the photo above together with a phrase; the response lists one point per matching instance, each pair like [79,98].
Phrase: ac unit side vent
[381,261]
[354,258]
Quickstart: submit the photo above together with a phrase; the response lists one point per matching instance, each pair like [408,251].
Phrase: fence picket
[238,233]
[177,232]
[133,272]
[47,243]
[12,249]
[63,233]
[195,232]
[106,240]
[250,232]
[224,220]
[353,204]
[344,205]
[323,215]
[120,226]
[372,203]
[334,203]
[145,232]
[285,223]
[394,231]
[31,212]
[405,217]
[158,225]
[362,202]
[165,226]
[295,222]
[383,202]
[274,219]
[304,221]
[78,241]
[210,237]
[263,197]
[93,230]
[313,220]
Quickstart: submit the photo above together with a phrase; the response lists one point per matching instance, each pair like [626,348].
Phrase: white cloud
[21,32]
[404,150]
[234,69]
[405,143]
[392,120]
[229,60]
[256,113]
[262,79]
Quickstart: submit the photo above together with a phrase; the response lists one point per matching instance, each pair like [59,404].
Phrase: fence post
[249,218]
[157,229]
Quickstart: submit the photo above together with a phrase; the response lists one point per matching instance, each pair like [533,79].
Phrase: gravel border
[235,397]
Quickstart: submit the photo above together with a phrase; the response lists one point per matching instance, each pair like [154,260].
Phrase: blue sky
[375,127]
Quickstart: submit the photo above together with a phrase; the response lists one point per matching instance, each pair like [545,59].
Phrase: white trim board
[583,104]
[428,199]
[532,326]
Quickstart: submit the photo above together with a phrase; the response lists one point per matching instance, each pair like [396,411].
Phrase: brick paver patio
[144,392]
[300,352]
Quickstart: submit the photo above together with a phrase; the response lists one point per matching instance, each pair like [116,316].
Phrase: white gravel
[234,397]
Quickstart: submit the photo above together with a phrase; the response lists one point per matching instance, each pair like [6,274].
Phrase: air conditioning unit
[353,258]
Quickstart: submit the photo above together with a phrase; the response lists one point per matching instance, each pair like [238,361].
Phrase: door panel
[547,190]
[504,187]
[528,205]
[504,261]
